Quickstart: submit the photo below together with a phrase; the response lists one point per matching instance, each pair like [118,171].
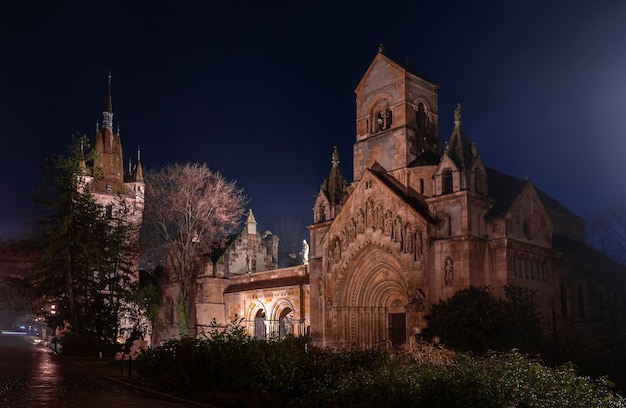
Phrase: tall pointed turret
[107,114]
[109,149]
[458,147]
[333,192]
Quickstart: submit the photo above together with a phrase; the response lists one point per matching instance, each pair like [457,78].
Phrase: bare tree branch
[191,209]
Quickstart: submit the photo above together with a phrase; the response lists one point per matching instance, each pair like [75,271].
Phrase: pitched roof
[268,283]
[408,195]
[610,269]
[505,189]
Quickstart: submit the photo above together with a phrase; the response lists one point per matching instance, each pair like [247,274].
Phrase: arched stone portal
[370,299]
[256,316]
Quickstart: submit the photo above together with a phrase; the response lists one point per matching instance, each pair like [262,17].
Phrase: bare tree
[189,210]
[607,231]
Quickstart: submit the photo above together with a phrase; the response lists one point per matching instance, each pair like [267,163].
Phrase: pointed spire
[335,184]
[458,115]
[138,170]
[251,218]
[458,147]
[81,164]
[107,121]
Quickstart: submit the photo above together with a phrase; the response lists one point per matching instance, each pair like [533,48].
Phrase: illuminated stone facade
[419,222]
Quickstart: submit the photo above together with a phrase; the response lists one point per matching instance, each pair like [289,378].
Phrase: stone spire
[107,114]
[335,185]
[138,170]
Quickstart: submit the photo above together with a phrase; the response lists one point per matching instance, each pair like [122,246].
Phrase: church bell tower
[396,116]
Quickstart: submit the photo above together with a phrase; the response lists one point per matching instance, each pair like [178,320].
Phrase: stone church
[420,220]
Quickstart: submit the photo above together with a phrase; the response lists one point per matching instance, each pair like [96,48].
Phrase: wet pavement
[32,376]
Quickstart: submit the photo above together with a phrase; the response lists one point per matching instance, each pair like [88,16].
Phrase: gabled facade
[418,223]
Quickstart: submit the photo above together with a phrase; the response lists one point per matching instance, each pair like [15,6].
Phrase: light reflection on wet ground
[31,376]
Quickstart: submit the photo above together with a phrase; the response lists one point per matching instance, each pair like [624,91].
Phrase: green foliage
[86,264]
[475,320]
[230,368]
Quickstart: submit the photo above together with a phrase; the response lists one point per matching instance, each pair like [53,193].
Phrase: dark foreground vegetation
[230,369]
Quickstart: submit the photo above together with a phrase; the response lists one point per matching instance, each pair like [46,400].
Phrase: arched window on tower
[446,182]
[422,117]
[382,116]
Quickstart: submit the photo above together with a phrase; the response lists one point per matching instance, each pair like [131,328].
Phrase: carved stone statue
[305,252]
[449,271]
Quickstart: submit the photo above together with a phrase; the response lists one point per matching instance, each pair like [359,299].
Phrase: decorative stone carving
[449,271]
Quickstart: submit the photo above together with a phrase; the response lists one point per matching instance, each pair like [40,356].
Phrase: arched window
[285,325]
[421,117]
[259,325]
[446,182]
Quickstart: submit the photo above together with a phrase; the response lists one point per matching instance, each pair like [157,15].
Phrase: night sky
[262,91]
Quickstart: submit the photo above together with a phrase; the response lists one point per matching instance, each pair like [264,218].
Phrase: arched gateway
[370,299]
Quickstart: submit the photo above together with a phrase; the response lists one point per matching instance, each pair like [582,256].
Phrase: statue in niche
[305,252]
[389,224]
[398,230]
[320,286]
[337,255]
[352,232]
[449,271]
[408,242]
[360,225]
[380,219]
[369,222]
[344,239]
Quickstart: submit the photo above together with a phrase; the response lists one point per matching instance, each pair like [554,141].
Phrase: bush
[476,321]
[239,371]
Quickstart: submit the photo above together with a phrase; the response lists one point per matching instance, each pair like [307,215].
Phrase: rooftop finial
[381,48]
[335,156]
[457,113]
[118,129]
[138,154]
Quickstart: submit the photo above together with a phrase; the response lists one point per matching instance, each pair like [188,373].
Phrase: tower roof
[458,147]
[335,185]
[108,102]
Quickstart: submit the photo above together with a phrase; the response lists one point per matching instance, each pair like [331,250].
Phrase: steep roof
[504,189]
[408,195]
[335,185]
[458,147]
[404,67]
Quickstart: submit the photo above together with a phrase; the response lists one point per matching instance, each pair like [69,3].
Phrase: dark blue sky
[263,91]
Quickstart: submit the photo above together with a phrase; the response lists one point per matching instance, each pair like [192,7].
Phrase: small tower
[332,194]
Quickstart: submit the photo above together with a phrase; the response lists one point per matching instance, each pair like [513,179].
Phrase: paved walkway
[118,372]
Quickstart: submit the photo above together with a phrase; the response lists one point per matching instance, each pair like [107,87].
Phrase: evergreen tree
[86,264]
